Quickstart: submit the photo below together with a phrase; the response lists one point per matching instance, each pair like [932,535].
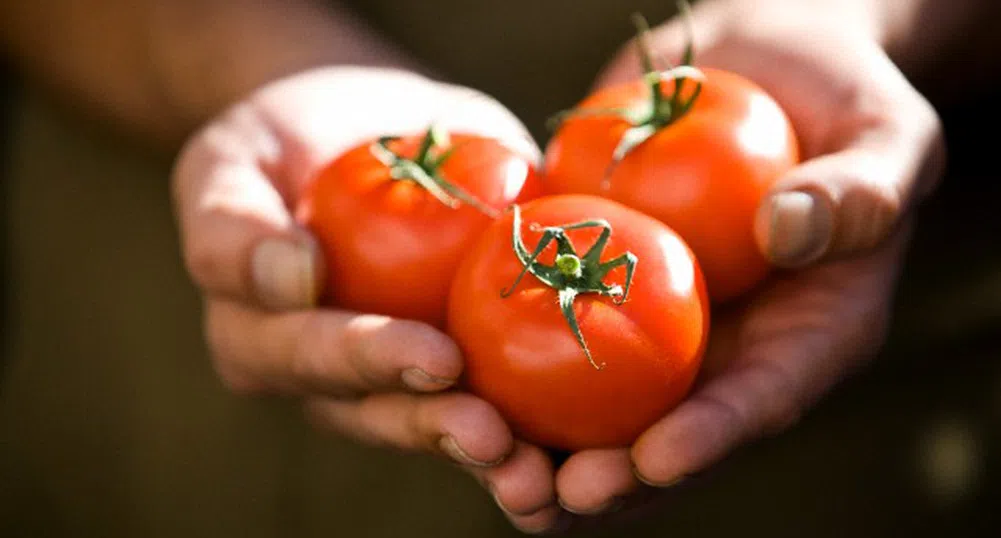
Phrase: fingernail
[499,504]
[652,483]
[610,506]
[795,227]
[420,381]
[450,447]
[284,273]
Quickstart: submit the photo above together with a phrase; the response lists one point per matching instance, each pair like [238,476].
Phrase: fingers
[851,200]
[464,429]
[459,426]
[524,490]
[793,343]
[238,239]
[234,180]
[714,421]
[334,353]
[596,481]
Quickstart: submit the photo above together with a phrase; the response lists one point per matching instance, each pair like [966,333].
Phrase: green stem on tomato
[425,169]
[572,274]
[663,107]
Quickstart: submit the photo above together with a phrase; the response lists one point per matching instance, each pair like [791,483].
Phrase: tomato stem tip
[663,107]
[425,169]
[572,274]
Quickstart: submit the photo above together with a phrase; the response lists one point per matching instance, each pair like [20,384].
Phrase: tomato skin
[389,246]
[703,175]
[522,357]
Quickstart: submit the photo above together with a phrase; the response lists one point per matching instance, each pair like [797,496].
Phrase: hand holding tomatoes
[871,145]
[372,377]
[872,148]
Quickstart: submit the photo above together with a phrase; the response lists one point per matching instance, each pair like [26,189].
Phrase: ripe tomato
[700,162]
[640,334]
[391,222]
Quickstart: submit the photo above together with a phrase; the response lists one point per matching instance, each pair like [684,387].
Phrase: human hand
[379,380]
[872,148]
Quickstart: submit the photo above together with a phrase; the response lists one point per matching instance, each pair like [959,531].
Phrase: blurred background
[113,424]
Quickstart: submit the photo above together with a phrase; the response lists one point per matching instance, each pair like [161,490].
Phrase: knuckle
[869,208]
[780,401]
[729,417]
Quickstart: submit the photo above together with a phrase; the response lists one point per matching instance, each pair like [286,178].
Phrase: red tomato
[703,173]
[391,246]
[521,352]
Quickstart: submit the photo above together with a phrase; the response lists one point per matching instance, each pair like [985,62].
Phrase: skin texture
[522,357]
[704,175]
[390,246]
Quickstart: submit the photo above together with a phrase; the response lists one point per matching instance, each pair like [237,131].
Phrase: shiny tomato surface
[390,247]
[704,175]
[522,356]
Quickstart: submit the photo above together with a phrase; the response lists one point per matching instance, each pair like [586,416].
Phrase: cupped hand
[872,149]
[382,381]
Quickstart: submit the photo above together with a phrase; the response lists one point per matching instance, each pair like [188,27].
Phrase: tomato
[391,223]
[629,362]
[702,170]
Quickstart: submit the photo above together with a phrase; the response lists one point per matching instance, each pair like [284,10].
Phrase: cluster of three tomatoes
[578,290]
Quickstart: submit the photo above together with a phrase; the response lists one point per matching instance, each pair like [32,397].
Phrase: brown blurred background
[113,424]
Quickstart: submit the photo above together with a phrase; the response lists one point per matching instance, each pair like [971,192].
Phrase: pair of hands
[872,146]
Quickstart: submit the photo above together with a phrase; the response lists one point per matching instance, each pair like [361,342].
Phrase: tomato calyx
[663,107]
[572,275]
[425,169]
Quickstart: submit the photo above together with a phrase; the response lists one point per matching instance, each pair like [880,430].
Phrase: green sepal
[585,275]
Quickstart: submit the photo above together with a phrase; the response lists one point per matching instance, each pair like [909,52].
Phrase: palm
[770,358]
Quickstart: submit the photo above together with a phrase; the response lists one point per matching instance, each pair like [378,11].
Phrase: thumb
[239,240]
[851,200]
